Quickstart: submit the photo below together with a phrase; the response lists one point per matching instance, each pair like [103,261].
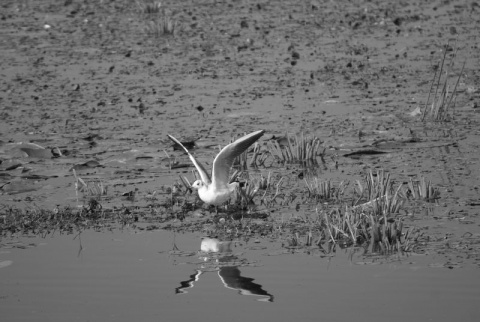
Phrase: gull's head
[198,184]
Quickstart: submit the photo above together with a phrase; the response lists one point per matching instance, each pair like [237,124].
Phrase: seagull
[217,190]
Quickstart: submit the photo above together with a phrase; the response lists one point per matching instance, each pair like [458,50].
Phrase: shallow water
[130,275]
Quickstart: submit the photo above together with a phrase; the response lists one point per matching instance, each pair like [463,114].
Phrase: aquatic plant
[63,219]
[91,189]
[164,24]
[422,189]
[351,226]
[445,96]
[374,186]
[148,6]
[298,150]
[186,184]
[245,195]
[252,187]
[324,189]
[383,200]
[373,221]
[241,162]
[385,236]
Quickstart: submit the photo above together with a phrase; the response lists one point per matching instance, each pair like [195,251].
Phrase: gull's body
[217,189]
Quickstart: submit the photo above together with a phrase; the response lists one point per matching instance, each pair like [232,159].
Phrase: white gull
[217,190]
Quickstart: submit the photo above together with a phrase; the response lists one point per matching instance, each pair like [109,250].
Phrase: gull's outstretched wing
[224,160]
[201,170]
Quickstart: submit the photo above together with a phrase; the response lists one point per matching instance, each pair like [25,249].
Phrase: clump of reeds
[91,189]
[373,220]
[445,94]
[149,6]
[267,190]
[252,187]
[274,194]
[241,162]
[245,195]
[386,236]
[364,227]
[324,190]
[298,150]
[422,189]
[162,24]
[297,240]
[186,184]
[176,199]
[341,226]
[379,194]
[374,186]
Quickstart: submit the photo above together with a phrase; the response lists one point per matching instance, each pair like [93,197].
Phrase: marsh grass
[162,24]
[245,195]
[374,186]
[261,190]
[339,226]
[258,189]
[296,240]
[275,196]
[445,93]
[378,193]
[300,149]
[241,162]
[43,221]
[371,219]
[372,222]
[177,197]
[91,189]
[422,190]
[185,183]
[319,190]
[350,226]
[386,205]
[149,6]
[387,237]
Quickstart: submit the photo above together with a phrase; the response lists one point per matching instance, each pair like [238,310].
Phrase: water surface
[130,275]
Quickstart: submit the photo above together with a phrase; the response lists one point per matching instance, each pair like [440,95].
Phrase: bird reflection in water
[218,256]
